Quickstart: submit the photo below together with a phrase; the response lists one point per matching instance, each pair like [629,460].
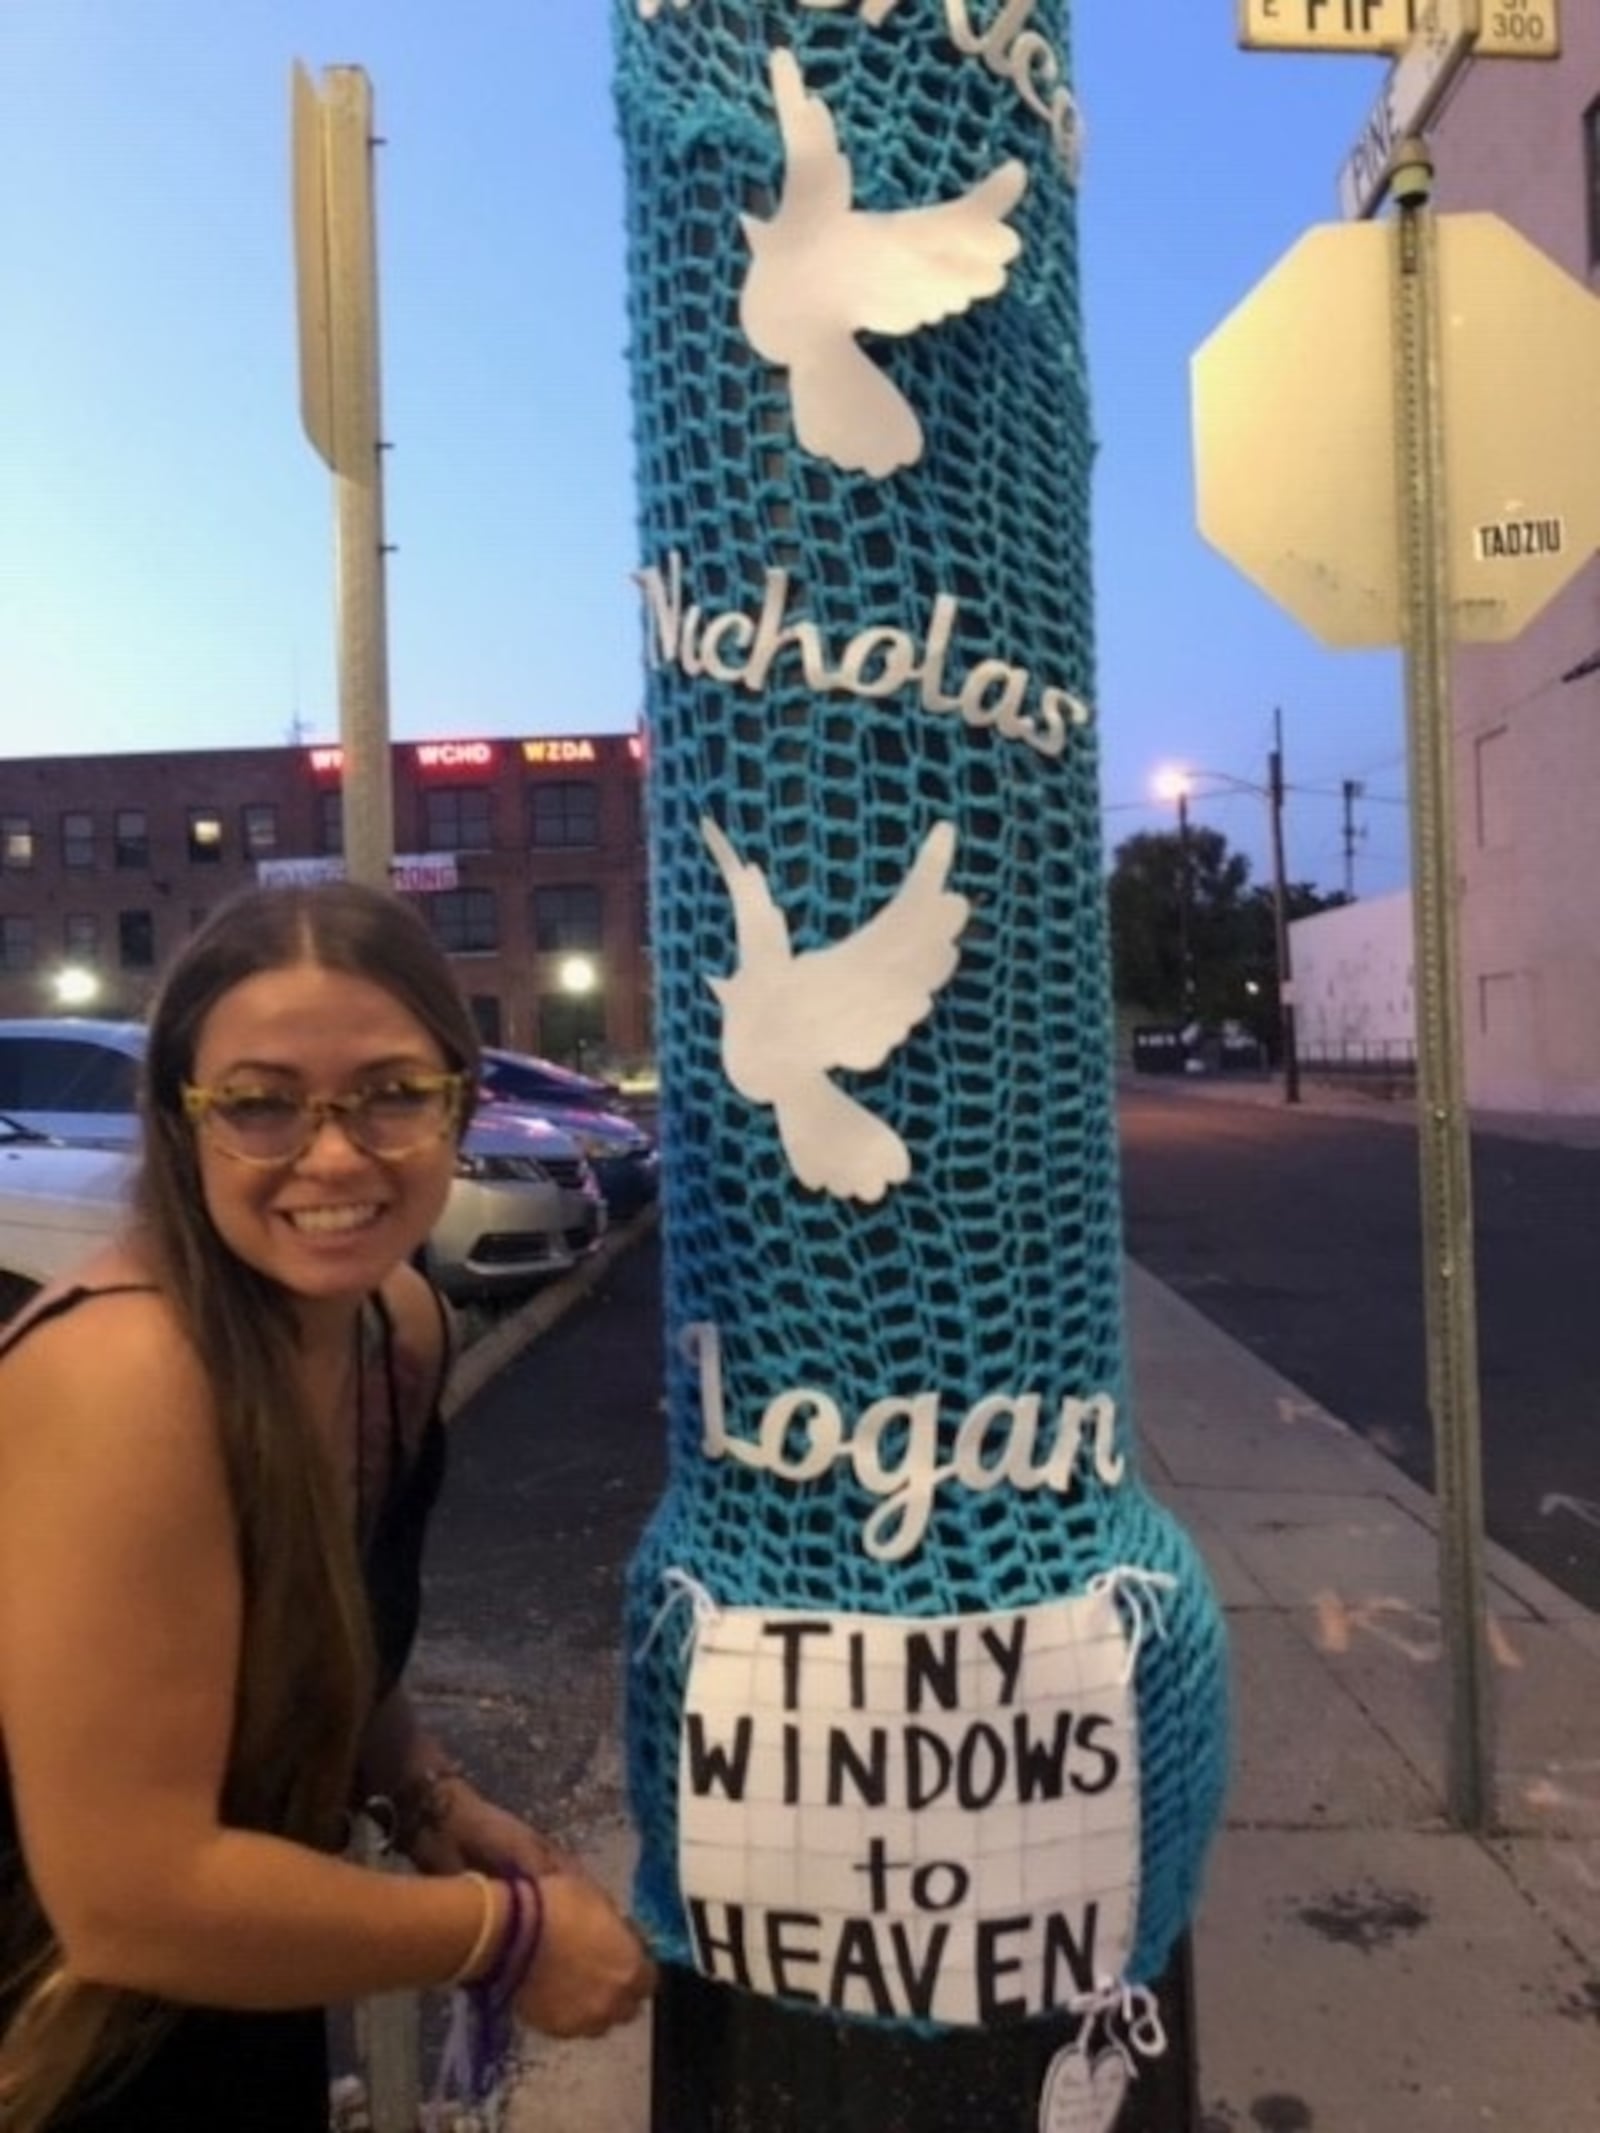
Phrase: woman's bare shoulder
[423,1323]
[105,1328]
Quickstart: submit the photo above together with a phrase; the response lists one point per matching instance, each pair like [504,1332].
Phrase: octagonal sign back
[1296,431]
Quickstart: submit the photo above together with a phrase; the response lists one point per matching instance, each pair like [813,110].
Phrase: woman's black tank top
[218,2070]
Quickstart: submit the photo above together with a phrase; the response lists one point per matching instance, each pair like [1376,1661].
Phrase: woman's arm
[119,1634]
[440,1820]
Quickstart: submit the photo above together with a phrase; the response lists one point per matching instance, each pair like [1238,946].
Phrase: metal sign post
[337,287]
[1449,1269]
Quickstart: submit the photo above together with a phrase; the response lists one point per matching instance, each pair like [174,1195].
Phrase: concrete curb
[487,1357]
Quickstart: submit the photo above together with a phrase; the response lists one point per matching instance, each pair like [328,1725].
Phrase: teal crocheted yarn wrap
[827,760]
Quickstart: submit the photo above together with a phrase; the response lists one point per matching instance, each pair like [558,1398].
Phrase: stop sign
[1296,432]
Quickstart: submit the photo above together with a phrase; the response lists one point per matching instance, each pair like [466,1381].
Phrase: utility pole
[1280,918]
[337,290]
[1186,975]
[1353,790]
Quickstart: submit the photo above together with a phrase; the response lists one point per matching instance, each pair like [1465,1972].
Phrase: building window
[564,813]
[136,940]
[77,840]
[463,920]
[1591,172]
[330,823]
[130,837]
[16,843]
[485,1009]
[260,824]
[16,941]
[205,837]
[456,819]
[567,917]
[81,937]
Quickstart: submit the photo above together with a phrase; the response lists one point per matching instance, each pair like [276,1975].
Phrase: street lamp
[577,976]
[1176,782]
[74,986]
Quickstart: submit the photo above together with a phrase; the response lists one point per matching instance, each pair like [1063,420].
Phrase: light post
[74,986]
[578,976]
[1176,783]
[1173,785]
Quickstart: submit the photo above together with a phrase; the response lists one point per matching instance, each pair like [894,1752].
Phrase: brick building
[526,856]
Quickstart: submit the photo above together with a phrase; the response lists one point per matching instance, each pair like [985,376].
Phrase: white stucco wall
[1354,998]
[1511,141]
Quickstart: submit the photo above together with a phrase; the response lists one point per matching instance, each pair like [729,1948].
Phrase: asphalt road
[554,1467]
[1298,1232]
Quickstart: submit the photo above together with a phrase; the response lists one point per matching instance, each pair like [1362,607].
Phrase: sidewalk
[1362,1968]
[1348,1099]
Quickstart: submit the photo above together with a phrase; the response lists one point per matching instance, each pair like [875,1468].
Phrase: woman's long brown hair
[305,1678]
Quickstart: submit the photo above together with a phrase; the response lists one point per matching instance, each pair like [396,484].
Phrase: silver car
[522,1206]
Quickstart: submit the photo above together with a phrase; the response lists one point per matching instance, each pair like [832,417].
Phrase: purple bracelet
[482,2034]
[519,1942]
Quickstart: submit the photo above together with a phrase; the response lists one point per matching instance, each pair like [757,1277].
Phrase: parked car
[623,1156]
[518,1077]
[520,1208]
[524,1203]
[56,1205]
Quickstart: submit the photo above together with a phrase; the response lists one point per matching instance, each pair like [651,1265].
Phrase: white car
[525,1202]
[57,1205]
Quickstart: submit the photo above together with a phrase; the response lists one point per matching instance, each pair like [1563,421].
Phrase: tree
[1232,930]
[1146,895]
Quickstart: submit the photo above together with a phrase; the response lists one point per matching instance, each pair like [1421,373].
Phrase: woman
[218,1446]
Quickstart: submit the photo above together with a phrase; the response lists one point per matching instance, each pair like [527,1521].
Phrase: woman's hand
[464,1830]
[592,1969]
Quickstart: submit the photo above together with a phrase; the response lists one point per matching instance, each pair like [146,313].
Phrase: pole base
[725,2061]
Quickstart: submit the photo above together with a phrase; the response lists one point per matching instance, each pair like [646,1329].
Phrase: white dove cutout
[822,271]
[789,1020]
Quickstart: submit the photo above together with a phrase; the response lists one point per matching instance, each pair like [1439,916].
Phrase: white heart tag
[1083,2096]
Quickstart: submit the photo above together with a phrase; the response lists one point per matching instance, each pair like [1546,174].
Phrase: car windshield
[12,1129]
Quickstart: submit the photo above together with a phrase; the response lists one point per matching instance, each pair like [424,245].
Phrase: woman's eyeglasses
[390,1119]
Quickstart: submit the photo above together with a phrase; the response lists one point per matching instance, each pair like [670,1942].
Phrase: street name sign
[1327,25]
[1448,34]
[1507,29]
[1300,377]
[1412,93]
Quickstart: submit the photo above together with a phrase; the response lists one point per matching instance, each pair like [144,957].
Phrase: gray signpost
[1432,378]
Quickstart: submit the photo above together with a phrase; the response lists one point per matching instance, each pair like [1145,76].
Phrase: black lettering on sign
[1062,1945]
[789,1635]
[783,1955]
[857,1959]
[1512,539]
[933,1663]
[919,1984]
[714,1767]
[720,1953]
[863,1760]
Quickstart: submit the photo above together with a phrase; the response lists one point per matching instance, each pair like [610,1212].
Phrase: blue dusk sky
[165,530]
